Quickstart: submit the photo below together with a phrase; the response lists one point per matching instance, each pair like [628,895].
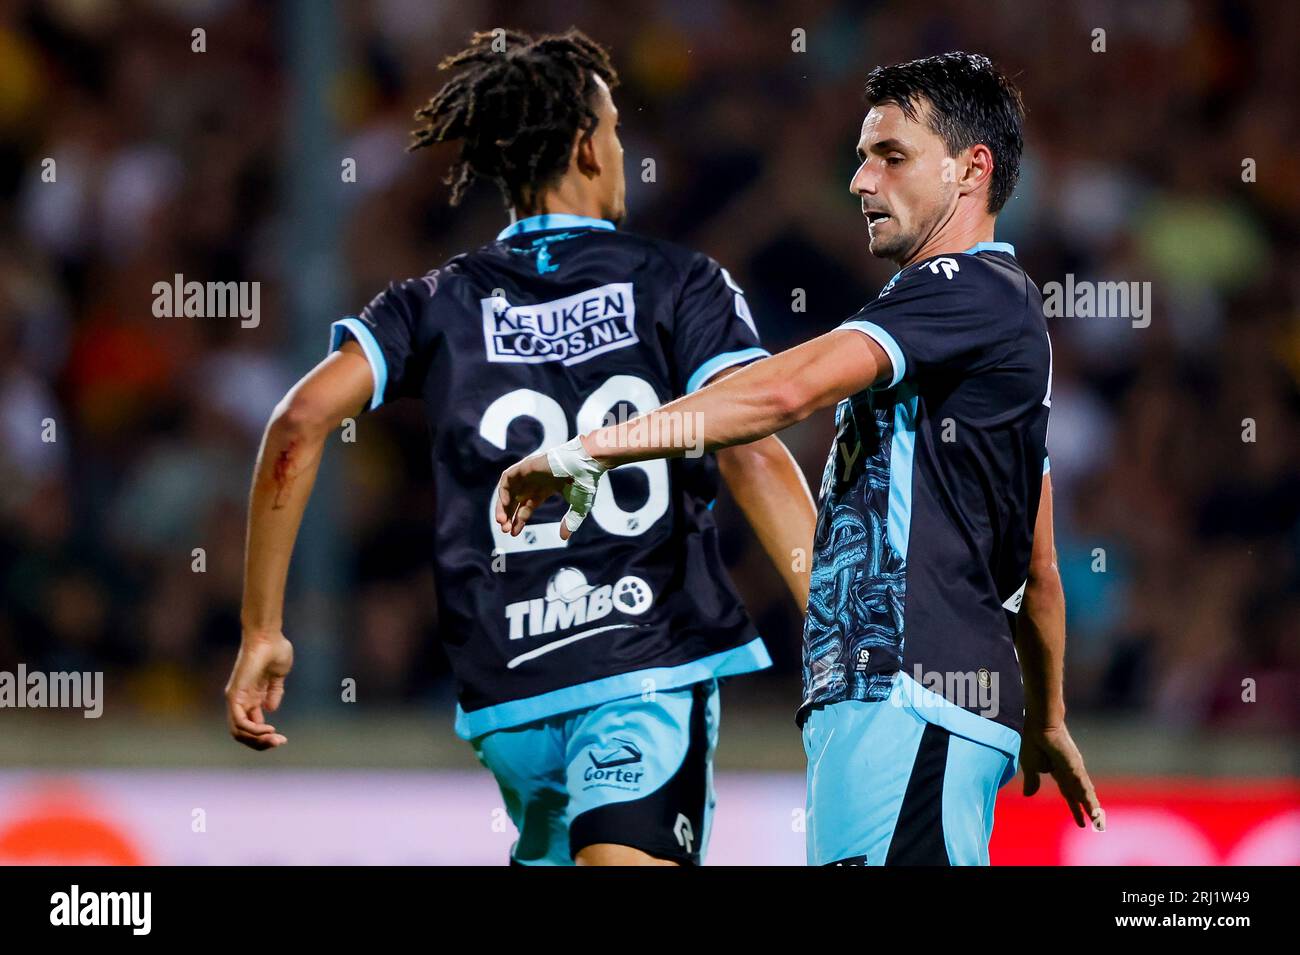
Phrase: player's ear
[976,164]
[584,157]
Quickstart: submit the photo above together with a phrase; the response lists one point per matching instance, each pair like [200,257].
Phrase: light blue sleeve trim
[933,708]
[885,341]
[374,354]
[743,659]
[718,362]
[1047,464]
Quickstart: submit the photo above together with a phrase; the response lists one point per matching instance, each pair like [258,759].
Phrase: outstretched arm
[282,481]
[753,403]
[758,400]
[1040,644]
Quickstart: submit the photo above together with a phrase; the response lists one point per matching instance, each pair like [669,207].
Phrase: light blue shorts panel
[643,754]
[970,789]
[528,763]
[887,787]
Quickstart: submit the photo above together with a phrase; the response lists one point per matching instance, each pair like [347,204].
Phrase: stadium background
[224,165]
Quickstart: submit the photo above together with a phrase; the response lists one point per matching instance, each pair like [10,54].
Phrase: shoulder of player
[409,296]
[426,286]
[680,259]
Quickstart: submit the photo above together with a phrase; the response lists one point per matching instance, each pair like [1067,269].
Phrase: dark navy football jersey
[545,333]
[929,498]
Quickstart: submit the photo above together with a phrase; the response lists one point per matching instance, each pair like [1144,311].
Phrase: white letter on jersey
[948,265]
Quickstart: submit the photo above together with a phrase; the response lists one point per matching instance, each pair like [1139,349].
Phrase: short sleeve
[713,327]
[939,316]
[387,330]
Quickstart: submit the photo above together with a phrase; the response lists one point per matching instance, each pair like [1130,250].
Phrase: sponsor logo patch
[570,603]
[568,330]
[615,766]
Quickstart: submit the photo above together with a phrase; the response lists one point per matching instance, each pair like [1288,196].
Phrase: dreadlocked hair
[516,112]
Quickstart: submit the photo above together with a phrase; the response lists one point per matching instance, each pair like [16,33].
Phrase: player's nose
[863,182]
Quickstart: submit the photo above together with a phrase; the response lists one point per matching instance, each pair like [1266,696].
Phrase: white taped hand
[571,460]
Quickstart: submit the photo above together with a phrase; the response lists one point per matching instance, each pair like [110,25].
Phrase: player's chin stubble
[886,247]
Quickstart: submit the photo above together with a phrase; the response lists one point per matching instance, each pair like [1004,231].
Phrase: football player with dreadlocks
[587,677]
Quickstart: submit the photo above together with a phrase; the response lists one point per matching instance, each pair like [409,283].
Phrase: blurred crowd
[127,440]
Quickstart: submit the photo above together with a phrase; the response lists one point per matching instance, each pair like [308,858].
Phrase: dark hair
[969,102]
[515,111]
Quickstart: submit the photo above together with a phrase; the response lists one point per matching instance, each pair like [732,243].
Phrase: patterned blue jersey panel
[853,634]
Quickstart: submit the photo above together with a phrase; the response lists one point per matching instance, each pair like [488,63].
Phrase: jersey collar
[555,220]
[1006,247]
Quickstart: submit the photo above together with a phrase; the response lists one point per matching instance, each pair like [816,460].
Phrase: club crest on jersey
[572,602]
[568,330]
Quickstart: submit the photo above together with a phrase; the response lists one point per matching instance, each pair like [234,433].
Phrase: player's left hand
[257,684]
[566,469]
[1051,750]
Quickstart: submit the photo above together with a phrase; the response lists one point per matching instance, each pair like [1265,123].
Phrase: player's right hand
[257,684]
[1052,750]
[567,469]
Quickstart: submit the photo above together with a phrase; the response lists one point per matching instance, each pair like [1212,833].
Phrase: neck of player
[565,198]
[963,229]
